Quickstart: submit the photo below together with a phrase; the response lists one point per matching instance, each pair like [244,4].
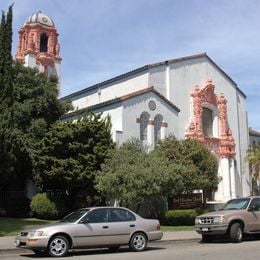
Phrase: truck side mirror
[252,208]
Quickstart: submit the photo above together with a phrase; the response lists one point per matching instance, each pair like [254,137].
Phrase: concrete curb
[14,251]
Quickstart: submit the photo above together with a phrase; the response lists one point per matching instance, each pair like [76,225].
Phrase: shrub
[43,207]
[182,217]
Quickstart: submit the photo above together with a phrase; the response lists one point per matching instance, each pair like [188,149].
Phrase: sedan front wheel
[138,242]
[58,246]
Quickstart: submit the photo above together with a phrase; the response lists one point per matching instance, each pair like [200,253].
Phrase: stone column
[226,178]
[150,134]
[232,177]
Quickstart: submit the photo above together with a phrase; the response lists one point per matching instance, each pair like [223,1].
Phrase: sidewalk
[7,243]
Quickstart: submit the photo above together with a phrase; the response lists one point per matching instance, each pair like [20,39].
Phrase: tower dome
[38,44]
[41,18]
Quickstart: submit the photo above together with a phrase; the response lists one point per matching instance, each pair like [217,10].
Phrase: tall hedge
[185,217]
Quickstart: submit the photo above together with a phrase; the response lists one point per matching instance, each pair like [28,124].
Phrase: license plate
[205,229]
[17,242]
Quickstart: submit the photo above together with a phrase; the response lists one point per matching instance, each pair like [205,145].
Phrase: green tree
[253,157]
[69,156]
[6,95]
[206,166]
[35,107]
[201,163]
[6,60]
[132,176]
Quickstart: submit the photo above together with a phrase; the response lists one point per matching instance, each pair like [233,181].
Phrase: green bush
[43,207]
[182,217]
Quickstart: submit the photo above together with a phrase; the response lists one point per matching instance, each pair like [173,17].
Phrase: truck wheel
[236,233]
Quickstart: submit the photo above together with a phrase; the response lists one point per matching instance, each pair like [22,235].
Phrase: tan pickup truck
[237,217]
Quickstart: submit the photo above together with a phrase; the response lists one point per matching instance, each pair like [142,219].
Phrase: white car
[109,227]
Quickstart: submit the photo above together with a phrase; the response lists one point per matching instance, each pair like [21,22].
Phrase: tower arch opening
[43,43]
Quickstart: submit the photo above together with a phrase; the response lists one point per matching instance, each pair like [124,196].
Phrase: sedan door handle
[133,225]
[105,226]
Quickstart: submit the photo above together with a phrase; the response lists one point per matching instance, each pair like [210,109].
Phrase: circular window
[152,105]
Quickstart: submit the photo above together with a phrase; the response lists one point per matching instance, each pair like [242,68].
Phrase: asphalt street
[182,250]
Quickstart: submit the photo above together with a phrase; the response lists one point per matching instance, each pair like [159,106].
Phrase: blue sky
[103,38]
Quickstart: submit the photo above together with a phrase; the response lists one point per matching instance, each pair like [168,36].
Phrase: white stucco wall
[115,111]
[183,76]
[30,61]
[157,78]
[243,145]
[133,109]
[177,80]
[124,115]
[111,91]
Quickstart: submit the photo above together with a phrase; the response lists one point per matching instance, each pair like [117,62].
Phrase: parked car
[237,217]
[109,227]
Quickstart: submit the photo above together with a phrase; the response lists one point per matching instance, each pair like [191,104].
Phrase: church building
[188,97]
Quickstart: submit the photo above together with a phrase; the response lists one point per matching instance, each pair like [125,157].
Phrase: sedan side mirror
[84,221]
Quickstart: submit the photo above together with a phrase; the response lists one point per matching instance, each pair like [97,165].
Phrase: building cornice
[121,99]
[146,69]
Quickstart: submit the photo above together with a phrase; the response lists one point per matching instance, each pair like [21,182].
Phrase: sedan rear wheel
[138,242]
[58,246]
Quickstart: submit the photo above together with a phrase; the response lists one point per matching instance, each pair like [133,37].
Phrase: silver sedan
[109,227]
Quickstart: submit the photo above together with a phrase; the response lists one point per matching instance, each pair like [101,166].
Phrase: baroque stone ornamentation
[224,144]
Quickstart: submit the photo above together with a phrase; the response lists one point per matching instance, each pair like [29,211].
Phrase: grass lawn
[12,226]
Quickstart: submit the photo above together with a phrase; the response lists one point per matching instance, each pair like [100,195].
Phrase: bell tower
[38,45]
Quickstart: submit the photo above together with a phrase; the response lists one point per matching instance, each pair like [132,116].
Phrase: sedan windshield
[236,204]
[74,216]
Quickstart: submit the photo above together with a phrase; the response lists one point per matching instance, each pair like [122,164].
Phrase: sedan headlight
[219,220]
[197,221]
[36,233]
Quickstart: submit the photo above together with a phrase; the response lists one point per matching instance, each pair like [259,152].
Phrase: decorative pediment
[224,144]
[207,93]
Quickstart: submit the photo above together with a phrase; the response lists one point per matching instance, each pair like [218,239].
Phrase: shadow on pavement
[81,252]
[226,239]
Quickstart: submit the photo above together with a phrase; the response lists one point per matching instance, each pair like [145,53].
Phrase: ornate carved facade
[223,144]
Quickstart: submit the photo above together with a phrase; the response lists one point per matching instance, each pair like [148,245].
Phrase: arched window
[143,126]
[157,128]
[207,122]
[44,43]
